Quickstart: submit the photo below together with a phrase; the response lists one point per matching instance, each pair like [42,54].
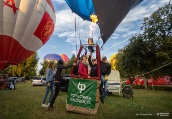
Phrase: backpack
[127,92]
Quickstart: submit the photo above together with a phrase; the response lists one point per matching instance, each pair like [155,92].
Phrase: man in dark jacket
[105,71]
[93,65]
[58,79]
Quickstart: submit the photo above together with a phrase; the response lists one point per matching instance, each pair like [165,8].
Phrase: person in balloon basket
[105,71]
[77,66]
[57,82]
[50,84]
[83,67]
[93,65]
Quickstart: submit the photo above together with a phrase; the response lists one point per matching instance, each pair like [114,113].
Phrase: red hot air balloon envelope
[65,57]
[25,26]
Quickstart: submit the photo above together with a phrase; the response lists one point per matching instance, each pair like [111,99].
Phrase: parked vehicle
[7,84]
[22,79]
[65,82]
[38,81]
[16,79]
[32,77]
[114,82]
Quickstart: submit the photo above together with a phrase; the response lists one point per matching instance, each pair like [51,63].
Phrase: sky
[65,38]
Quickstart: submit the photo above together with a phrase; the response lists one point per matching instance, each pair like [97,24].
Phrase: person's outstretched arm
[89,60]
[65,67]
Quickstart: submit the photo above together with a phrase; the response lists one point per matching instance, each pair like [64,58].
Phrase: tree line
[26,69]
[151,49]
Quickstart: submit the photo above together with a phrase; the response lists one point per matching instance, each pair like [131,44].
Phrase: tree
[30,66]
[158,32]
[27,68]
[132,59]
[151,49]
[44,64]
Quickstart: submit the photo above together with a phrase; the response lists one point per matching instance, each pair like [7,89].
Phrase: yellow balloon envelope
[113,61]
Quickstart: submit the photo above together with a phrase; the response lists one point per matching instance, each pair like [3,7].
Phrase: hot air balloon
[25,26]
[113,61]
[55,57]
[65,57]
[110,13]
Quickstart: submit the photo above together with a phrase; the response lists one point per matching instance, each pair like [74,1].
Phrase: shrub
[156,87]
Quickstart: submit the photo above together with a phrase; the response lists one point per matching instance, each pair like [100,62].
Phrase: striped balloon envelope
[113,61]
[25,26]
[50,57]
[65,57]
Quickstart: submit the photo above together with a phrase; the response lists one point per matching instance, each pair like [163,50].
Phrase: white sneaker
[44,105]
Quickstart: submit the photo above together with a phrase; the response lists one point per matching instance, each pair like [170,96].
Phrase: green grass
[25,103]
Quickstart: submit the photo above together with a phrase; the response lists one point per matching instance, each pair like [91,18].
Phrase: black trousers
[57,89]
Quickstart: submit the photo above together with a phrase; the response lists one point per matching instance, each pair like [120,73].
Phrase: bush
[156,87]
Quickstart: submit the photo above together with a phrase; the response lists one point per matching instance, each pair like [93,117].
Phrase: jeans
[103,87]
[57,89]
[49,88]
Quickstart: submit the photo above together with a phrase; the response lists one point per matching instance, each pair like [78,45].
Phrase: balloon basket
[75,100]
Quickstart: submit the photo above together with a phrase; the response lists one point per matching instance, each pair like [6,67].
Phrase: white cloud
[69,40]
[63,21]
[130,33]
[64,34]
[74,52]
[115,45]
[60,1]
[115,36]
[138,13]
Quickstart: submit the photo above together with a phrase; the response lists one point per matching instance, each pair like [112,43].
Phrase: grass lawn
[25,103]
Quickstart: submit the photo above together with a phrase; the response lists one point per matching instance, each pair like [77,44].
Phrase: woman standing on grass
[58,79]
[50,84]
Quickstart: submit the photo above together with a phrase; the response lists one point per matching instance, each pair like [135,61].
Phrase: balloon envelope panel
[52,57]
[25,26]
[65,57]
[83,8]
[110,14]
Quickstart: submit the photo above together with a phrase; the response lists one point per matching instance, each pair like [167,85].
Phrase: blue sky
[63,40]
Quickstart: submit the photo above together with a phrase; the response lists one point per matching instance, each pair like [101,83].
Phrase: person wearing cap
[105,71]
[58,79]
[93,65]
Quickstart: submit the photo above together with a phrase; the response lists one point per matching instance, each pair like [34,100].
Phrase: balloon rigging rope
[73,18]
[115,45]
[153,70]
